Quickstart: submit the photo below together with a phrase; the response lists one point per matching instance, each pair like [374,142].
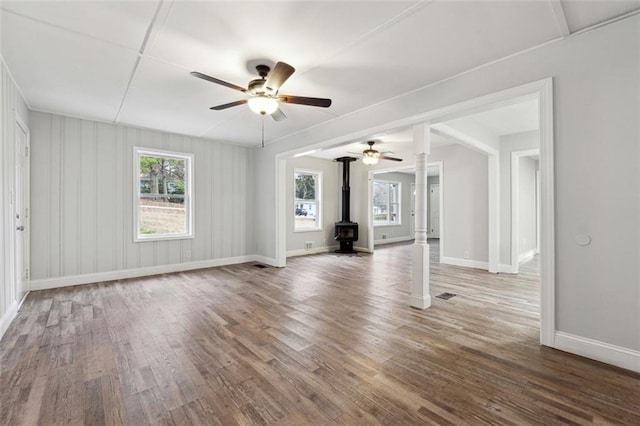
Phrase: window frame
[317,200]
[139,152]
[389,203]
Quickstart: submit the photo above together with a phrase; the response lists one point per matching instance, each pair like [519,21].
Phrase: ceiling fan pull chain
[263,130]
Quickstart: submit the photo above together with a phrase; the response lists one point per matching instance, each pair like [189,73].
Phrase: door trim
[21,124]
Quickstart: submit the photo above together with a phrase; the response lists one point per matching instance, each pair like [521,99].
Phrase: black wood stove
[346,232]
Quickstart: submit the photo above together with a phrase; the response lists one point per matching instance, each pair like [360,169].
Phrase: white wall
[11,102]
[82,201]
[596,110]
[403,230]
[527,209]
[508,144]
[466,209]
[331,196]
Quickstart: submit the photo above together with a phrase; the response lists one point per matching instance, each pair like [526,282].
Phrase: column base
[420,302]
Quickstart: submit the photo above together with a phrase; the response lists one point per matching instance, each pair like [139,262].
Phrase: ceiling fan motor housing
[256,87]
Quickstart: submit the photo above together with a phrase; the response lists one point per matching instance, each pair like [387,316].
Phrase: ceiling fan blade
[384,157]
[217,81]
[278,76]
[278,115]
[301,100]
[229,105]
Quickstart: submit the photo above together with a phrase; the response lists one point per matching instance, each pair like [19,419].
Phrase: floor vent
[445,296]
[257,265]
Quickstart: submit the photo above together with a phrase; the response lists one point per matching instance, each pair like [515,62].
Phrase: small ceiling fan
[264,97]
[371,156]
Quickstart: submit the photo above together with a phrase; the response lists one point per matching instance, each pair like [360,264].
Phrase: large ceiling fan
[264,97]
[371,156]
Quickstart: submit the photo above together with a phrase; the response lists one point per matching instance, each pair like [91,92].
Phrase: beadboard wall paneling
[11,103]
[82,214]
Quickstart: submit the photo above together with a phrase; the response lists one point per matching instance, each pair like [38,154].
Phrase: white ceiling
[128,62]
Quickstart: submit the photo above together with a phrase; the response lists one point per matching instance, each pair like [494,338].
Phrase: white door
[434,207]
[21,200]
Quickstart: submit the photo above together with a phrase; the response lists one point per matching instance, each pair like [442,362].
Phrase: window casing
[162,191]
[386,203]
[307,193]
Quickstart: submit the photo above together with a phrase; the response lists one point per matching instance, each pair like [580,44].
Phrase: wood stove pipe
[346,189]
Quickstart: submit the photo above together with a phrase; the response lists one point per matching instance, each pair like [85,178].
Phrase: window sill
[381,225]
[295,231]
[163,238]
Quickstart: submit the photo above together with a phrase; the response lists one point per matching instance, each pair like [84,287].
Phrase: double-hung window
[307,195]
[386,203]
[162,188]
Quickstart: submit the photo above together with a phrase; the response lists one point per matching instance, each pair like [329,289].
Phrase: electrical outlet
[187,255]
[308,245]
[466,254]
[384,236]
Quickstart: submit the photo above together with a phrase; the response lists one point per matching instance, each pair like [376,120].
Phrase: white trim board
[8,316]
[72,280]
[467,263]
[315,250]
[392,240]
[526,256]
[600,351]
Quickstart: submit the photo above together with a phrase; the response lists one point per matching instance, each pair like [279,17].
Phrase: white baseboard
[506,269]
[392,240]
[315,250]
[141,272]
[362,249]
[467,263]
[600,351]
[265,260]
[8,316]
[526,256]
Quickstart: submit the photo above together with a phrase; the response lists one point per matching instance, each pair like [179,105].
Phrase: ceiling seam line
[560,18]
[136,66]
[68,30]
[379,28]
[470,70]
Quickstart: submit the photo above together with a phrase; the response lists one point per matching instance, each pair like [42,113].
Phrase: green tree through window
[306,200]
[163,202]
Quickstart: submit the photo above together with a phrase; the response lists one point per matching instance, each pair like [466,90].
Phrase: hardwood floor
[328,340]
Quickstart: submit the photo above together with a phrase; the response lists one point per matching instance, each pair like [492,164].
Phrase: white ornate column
[420,297]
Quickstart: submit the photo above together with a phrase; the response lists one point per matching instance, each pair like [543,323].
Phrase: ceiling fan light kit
[263,105]
[371,156]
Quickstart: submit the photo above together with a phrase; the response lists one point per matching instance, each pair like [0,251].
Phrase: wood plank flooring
[328,340]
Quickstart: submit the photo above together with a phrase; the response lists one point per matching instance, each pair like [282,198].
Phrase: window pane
[306,216]
[395,213]
[380,202]
[305,186]
[306,203]
[162,200]
[386,203]
[393,192]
